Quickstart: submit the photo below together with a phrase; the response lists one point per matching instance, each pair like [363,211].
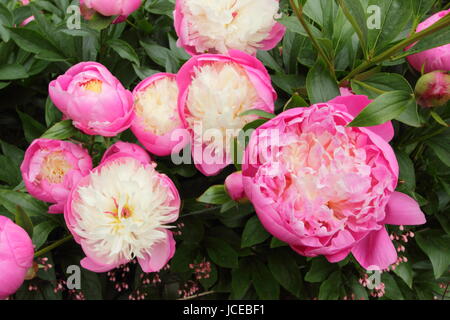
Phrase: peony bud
[94,99]
[121,9]
[16,256]
[235,188]
[433,89]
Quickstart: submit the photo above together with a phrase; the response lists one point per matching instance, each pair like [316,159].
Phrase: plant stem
[355,25]
[52,246]
[444,22]
[299,13]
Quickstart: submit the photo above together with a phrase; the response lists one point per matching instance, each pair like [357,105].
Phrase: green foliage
[334,47]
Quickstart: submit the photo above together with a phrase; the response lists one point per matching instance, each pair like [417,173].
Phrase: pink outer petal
[91,265]
[355,104]
[275,37]
[403,210]
[375,251]
[130,149]
[160,254]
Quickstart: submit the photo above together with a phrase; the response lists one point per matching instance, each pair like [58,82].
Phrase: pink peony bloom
[16,256]
[325,188]
[108,8]
[433,89]
[94,99]
[156,115]
[432,59]
[214,91]
[122,210]
[205,26]
[127,149]
[51,168]
[235,188]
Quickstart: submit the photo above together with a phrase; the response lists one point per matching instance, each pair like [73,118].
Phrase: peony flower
[214,91]
[51,168]
[325,188]
[205,26]
[16,256]
[433,89]
[432,59]
[108,8]
[235,188]
[127,149]
[122,211]
[94,99]
[156,114]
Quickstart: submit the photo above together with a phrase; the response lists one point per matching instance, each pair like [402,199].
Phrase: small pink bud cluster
[399,238]
[118,276]
[138,295]
[189,289]
[378,291]
[60,286]
[43,263]
[202,270]
[76,295]
[178,231]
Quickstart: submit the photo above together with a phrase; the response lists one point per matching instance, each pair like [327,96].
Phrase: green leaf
[124,50]
[24,221]
[319,271]
[221,253]
[241,279]
[405,272]
[393,15]
[320,84]
[441,147]
[41,232]
[161,56]
[330,288]
[32,41]
[254,233]
[289,83]
[285,270]
[60,131]
[52,114]
[380,83]
[11,199]
[32,129]
[355,13]
[10,172]
[12,72]
[392,290]
[437,247]
[259,113]
[386,107]
[215,195]
[407,172]
[295,102]
[99,22]
[264,283]
[276,243]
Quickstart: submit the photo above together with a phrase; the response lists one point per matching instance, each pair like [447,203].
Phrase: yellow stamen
[94,85]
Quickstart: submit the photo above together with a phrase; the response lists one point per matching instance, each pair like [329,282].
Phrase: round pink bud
[433,89]
[109,8]
[235,188]
[127,149]
[16,256]
[94,99]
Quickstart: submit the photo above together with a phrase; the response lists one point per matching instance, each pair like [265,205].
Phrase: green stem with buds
[53,246]
[441,24]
